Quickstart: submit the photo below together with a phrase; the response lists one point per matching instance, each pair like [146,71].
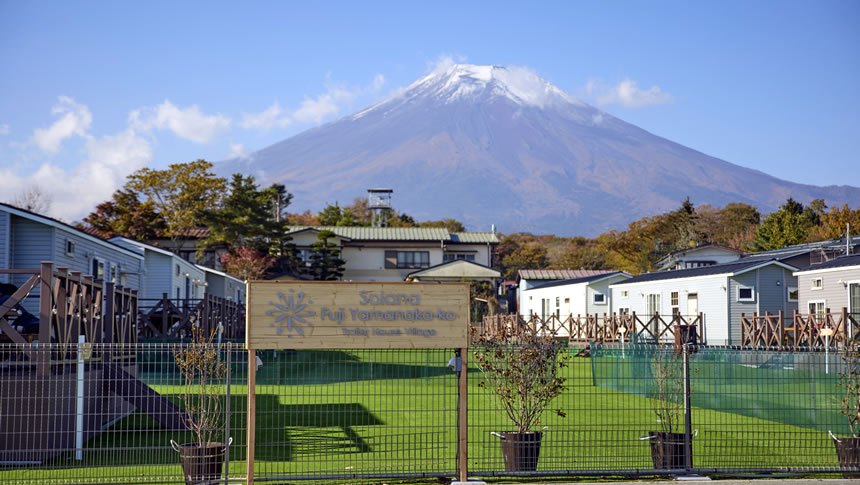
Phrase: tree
[247,216]
[452,225]
[527,257]
[325,264]
[834,222]
[125,215]
[306,218]
[33,199]
[786,227]
[247,264]
[180,193]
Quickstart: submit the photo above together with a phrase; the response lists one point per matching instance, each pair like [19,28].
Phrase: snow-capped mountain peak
[463,82]
[520,85]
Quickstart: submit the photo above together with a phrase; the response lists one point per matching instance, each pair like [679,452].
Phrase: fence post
[252,413]
[463,418]
[46,274]
[688,418]
[164,309]
[227,419]
[109,318]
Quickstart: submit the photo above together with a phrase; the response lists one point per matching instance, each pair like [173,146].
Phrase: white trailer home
[578,296]
[720,292]
[834,285]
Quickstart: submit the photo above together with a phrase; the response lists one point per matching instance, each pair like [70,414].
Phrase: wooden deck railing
[173,318]
[799,331]
[599,328]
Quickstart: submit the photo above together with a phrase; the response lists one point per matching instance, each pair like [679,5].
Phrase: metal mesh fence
[105,413]
[355,413]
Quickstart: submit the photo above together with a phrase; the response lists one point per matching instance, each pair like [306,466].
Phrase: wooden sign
[356,315]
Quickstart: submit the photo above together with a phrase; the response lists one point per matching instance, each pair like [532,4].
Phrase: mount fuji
[495,145]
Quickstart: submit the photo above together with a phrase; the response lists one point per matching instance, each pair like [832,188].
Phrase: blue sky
[90,91]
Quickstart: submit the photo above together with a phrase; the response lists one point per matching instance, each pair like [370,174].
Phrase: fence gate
[352,380]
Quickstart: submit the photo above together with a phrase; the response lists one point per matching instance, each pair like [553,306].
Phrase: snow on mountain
[490,144]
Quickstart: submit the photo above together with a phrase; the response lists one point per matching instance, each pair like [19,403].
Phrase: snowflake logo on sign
[290,311]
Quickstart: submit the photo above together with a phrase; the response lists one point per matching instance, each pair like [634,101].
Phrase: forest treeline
[645,241]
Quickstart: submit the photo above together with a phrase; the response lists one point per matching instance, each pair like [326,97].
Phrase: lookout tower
[379,203]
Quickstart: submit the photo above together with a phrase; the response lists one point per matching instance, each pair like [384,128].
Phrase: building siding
[773,282]
[87,250]
[834,293]
[749,279]
[5,235]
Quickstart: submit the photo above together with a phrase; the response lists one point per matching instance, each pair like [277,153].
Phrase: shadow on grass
[283,431]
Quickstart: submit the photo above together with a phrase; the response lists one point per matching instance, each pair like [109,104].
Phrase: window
[413,259]
[178,271]
[113,273]
[123,279]
[624,311]
[544,308]
[624,294]
[304,255]
[557,302]
[70,248]
[746,293]
[817,284]
[792,293]
[599,298]
[816,309]
[447,257]
[98,269]
[673,298]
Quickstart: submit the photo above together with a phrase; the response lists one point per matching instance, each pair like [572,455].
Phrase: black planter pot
[848,451]
[201,463]
[667,450]
[521,450]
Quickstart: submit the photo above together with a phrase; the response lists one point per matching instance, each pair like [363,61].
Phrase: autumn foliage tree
[125,215]
[246,263]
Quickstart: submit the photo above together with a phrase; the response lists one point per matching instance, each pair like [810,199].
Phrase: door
[692,306]
[854,301]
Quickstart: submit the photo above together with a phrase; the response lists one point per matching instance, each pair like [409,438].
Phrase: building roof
[219,273]
[586,279]
[733,268]
[559,274]
[457,269]
[357,233]
[698,248]
[840,262]
[55,223]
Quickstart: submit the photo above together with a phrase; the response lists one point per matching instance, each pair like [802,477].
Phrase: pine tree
[326,264]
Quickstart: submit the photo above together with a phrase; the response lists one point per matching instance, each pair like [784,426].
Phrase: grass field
[379,412]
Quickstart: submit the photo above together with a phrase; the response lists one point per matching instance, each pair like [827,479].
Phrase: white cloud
[75,119]
[4,129]
[237,150]
[189,123]
[445,62]
[266,120]
[626,93]
[76,191]
[335,98]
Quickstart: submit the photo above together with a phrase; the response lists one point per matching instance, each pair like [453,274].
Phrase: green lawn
[377,412]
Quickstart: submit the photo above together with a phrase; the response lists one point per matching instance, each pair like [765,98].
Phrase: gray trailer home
[721,292]
[834,285]
[165,272]
[222,285]
[27,239]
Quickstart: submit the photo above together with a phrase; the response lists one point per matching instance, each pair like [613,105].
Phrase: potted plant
[667,444]
[202,374]
[521,365]
[848,449]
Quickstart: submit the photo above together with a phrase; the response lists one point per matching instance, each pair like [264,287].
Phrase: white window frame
[744,287]
[594,298]
[624,294]
[788,291]
[820,286]
[70,248]
[816,302]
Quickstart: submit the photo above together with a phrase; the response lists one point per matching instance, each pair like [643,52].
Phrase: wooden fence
[799,331]
[599,328]
[70,305]
[173,318]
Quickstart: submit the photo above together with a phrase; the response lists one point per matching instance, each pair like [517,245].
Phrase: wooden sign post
[356,315]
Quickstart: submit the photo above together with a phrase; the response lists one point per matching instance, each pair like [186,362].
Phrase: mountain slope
[486,144]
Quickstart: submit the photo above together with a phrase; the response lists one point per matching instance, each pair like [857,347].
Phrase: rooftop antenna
[847,238]
[379,203]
